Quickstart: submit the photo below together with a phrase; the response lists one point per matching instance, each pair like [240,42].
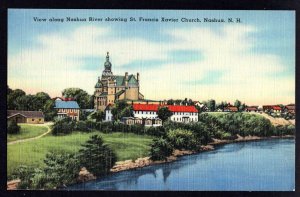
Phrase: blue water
[267,165]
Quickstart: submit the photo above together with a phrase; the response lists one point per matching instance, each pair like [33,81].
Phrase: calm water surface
[267,165]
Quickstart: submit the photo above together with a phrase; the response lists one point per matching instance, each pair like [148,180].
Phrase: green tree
[63,126]
[182,139]
[96,156]
[211,105]
[237,103]
[39,100]
[121,109]
[12,96]
[25,103]
[81,96]
[61,168]
[170,102]
[160,149]
[13,127]
[164,113]
[99,116]
[49,111]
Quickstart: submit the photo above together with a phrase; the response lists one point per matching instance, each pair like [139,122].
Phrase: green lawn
[27,131]
[126,145]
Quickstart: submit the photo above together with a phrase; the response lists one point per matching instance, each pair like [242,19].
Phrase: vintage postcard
[153,100]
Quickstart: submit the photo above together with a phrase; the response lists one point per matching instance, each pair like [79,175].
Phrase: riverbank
[85,176]
[146,161]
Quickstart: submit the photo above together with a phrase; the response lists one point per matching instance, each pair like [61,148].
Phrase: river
[266,165]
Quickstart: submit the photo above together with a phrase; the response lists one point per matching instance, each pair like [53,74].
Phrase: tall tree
[164,113]
[211,105]
[81,96]
[121,109]
[237,103]
[96,156]
[39,100]
[49,110]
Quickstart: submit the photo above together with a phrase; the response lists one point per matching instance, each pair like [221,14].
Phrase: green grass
[32,153]
[27,131]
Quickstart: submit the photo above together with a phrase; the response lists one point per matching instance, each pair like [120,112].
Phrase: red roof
[145,107]
[172,108]
[276,108]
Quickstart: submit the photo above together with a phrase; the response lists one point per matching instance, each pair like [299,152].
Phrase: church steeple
[107,67]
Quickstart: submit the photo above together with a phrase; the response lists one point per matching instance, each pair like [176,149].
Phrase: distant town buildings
[32,117]
[67,108]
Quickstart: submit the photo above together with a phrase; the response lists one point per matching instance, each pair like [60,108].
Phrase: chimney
[138,77]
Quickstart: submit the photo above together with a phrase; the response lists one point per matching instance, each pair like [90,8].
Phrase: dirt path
[48,124]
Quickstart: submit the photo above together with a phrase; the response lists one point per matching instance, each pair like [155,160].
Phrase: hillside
[276,121]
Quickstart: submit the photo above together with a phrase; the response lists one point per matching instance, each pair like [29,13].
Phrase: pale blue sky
[175,60]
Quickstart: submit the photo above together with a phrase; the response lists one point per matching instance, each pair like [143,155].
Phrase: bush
[82,126]
[13,127]
[23,173]
[182,139]
[63,126]
[96,156]
[160,149]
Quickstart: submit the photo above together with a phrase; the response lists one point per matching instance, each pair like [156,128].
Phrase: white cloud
[56,64]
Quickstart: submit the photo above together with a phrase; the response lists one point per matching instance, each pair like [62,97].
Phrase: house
[33,117]
[128,120]
[67,108]
[231,109]
[289,109]
[108,114]
[251,109]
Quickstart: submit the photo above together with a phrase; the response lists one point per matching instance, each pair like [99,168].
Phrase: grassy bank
[126,145]
[27,131]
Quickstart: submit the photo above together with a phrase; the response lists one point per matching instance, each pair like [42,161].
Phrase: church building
[111,88]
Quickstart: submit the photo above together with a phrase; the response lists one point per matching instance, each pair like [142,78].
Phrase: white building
[181,113]
[108,114]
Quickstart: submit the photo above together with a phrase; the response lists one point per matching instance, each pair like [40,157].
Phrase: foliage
[63,126]
[211,105]
[49,111]
[12,96]
[99,116]
[23,173]
[61,168]
[237,103]
[182,139]
[81,96]
[164,113]
[13,127]
[160,149]
[96,156]
[82,126]
[121,109]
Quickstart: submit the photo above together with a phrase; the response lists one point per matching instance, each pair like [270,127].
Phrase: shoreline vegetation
[169,142]
[146,161]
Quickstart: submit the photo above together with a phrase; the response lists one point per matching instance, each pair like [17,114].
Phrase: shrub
[23,173]
[63,126]
[13,127]
[96,156]
[160,149]
[82,126]
[182,139]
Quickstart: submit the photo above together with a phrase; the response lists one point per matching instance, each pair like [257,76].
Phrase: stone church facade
[111,88]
